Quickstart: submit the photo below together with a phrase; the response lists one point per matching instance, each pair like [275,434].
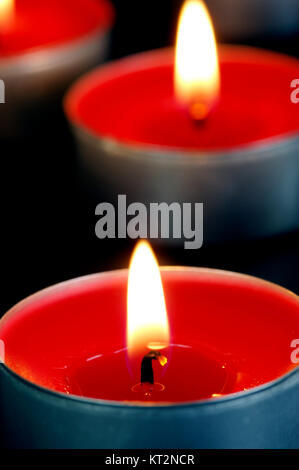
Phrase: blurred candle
[44,46]
[215,128]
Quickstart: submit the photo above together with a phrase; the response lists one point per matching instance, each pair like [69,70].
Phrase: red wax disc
[132,102]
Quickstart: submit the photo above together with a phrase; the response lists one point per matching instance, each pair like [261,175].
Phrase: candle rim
[165,55]
[111,70]
[47,55]
[119,273]
[116,274]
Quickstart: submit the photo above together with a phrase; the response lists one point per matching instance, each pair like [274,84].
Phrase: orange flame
[147,322]
[7,9]
[197,76]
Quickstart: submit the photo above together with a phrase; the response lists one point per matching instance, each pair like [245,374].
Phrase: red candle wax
[133,102]
[40,24]
[229,333]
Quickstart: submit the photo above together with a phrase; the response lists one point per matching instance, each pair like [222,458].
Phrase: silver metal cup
[35,79]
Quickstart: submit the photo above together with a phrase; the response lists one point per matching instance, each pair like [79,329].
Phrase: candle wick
[147,372]
[199,113]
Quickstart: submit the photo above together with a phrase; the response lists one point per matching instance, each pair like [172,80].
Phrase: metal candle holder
[263,417]
[36,78]
[248,191]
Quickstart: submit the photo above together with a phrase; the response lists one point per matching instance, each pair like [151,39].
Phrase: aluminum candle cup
[242,162]
[44,52]
[247,321]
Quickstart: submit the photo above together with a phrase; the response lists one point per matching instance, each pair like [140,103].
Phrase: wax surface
[194,371]
[230,333]
[132,101]
[39,24]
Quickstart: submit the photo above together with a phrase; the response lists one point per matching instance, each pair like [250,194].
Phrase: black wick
[147,373]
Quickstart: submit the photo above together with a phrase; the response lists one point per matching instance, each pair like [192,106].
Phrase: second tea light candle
[138,137]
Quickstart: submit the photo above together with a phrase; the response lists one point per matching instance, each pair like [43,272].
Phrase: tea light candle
[224,132]
[46,45]
[200,361]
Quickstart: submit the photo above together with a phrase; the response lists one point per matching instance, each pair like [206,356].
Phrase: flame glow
[7,8]
[147,322]
[197,77]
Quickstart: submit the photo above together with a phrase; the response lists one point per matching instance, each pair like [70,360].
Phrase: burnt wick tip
[147,372]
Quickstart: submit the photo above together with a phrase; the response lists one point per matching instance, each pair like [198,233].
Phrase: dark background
[47,220]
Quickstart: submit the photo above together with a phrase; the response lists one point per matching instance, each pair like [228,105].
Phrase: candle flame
[197,77]
[7,8]
[147,322]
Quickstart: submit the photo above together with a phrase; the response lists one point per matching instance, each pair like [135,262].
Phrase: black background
[47,221]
